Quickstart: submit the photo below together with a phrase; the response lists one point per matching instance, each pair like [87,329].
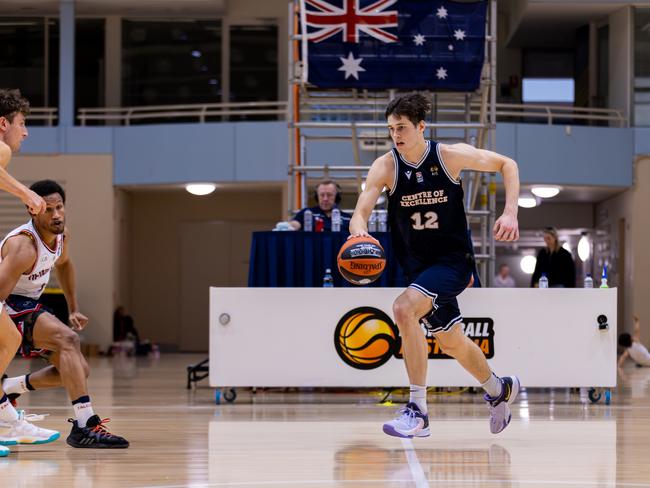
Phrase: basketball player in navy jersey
[13,131]
[430,239]
[28,255]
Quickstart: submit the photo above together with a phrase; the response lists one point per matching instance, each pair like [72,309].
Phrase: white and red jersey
[33,283]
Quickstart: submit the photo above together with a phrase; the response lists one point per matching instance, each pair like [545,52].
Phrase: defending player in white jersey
[14,429]
[28,254]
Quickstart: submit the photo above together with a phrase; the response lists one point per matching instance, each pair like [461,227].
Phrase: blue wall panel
[261,151]
[257,151]
[174,153]
[41,140]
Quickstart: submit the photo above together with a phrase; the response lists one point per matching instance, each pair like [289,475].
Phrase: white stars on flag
[419,39]
[459,34]
[351,66]
[441,13]
[441,73]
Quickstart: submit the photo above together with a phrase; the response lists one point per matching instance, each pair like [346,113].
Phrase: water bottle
[372,222]
[589,282]
[328,280]
[603,278]
[336,220]
[308,220]
[383,221]
[543,281]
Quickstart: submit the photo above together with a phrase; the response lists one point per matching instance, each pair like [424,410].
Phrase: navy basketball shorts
[443,281]
[24,312]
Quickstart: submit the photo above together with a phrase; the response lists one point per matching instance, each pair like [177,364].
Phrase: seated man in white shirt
[633,347]
[503,279]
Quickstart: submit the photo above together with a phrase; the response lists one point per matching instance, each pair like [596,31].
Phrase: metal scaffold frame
[356,116]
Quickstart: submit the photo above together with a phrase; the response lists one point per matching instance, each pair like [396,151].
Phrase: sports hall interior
[132,101]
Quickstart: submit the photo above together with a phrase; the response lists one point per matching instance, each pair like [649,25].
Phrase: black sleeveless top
[426,210]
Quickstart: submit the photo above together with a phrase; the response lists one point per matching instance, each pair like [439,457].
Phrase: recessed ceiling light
[527,201]
[545,191]
[200,188]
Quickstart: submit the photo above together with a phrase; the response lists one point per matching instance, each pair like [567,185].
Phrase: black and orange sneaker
[94,435]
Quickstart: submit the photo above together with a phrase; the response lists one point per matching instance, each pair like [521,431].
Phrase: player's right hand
[359,234]
[35,203]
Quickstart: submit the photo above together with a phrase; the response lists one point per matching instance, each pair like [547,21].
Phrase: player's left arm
[66,275]
[458,157]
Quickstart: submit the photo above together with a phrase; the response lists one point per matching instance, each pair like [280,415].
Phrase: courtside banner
[347,337]
[411,44]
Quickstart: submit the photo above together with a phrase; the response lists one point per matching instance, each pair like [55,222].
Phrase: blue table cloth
[299,259]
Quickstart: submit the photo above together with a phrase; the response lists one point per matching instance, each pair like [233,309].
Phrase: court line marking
[468,482]
[414,464]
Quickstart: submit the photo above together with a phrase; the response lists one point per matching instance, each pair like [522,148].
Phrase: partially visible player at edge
[430,239]
[14,428]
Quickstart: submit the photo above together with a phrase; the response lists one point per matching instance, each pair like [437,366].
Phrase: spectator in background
[554,261]
[503,279]
[328,196]
[123,328]
[633,347]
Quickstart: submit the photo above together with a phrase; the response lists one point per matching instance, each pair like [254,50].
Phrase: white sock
[493,386]
[83,411]
[7,411]
[418,395]
[15,385]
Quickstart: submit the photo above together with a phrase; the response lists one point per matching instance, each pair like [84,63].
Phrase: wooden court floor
[180,438]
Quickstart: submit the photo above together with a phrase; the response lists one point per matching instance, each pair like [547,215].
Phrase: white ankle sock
[418,395]
[15,385]
[83,411]
[7,411]
[493,386]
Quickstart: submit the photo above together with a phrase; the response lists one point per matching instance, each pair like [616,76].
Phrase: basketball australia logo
[366,338]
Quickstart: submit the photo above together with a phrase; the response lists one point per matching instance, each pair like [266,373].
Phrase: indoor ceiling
[160,8]
[552,23]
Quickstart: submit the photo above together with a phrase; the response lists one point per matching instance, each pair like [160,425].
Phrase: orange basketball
[361,260]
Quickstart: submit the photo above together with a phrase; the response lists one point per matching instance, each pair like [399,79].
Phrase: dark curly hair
[44,188]
[625,340]
[413,106]
[11,103]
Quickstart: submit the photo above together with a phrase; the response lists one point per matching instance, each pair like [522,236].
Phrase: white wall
[88,182]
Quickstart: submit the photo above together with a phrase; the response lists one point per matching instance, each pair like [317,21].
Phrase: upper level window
[642,67]
[548,90]
[171,62]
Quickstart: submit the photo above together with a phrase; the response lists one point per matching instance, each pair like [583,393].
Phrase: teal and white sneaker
[500,414]
[24,432]
[410,422]
[4,451]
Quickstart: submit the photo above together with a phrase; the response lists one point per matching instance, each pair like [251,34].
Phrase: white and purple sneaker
[410,422]
[500,414]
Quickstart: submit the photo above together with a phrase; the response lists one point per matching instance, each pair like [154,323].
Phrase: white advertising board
[346,337]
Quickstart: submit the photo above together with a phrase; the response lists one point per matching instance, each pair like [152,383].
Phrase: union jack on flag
[350,19]
[379,44]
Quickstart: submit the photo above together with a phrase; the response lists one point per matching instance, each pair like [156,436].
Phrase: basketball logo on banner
[366,338]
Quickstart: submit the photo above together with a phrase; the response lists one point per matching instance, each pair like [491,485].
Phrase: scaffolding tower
[356,117]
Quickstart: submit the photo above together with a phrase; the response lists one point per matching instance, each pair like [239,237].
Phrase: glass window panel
[641,66]
[253,63]
[89,63]
[171,62]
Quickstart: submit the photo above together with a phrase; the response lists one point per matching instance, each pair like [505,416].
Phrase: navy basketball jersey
[426,209]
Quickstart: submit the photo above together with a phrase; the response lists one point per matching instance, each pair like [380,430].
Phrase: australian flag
[379,44]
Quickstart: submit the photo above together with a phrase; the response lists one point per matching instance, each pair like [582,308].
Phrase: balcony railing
[332,111]
[199,113]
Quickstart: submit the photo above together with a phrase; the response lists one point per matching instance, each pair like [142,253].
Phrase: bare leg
[457,345]
[47,377]
[9,341]
[409,307]
[51,334]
